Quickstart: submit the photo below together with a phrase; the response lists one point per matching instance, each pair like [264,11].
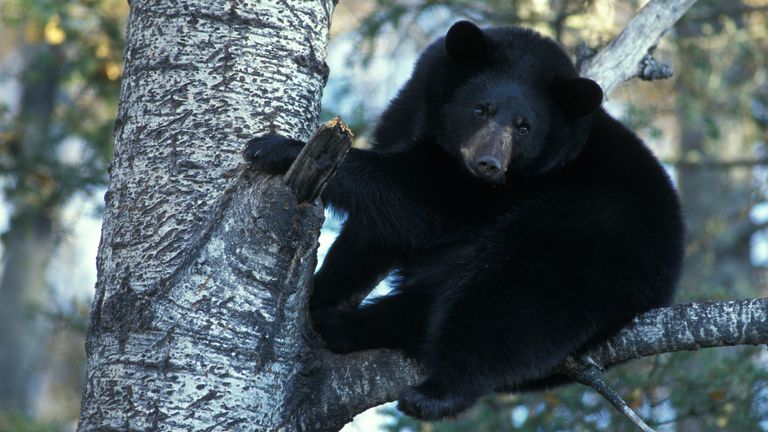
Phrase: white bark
[198,321]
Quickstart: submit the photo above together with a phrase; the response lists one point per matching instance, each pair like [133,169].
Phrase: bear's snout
[488,166]
[487,155]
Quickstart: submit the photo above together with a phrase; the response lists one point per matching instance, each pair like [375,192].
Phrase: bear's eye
[480,111]
[523,128]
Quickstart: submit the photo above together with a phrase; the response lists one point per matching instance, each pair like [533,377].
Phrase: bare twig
[585,371]
[318,160]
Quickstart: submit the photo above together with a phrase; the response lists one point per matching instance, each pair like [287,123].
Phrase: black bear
[523,223]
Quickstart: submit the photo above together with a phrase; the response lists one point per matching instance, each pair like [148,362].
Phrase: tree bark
[199,320]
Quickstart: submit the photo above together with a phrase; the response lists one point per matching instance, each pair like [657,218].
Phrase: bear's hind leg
[393,321]
[443,394]
[484,335]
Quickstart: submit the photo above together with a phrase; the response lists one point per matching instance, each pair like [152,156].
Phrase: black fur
[523,222]
[272,153]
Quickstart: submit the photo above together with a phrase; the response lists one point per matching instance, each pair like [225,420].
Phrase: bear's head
[507,100]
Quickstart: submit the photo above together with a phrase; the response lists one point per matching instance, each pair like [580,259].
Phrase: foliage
[14,422]
[71,55]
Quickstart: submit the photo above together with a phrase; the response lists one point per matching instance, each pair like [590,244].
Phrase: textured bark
[199,320]
[682,327]
[688,327]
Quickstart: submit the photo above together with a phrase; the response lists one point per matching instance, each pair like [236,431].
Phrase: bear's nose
[489,166]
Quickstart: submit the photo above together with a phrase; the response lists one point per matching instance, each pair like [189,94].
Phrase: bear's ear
[466,43]
[577,96]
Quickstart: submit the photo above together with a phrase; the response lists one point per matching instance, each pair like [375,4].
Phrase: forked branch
[626,56]
[585,371]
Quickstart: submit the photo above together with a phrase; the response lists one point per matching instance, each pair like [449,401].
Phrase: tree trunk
[198,321]
[29,242]
[28,248]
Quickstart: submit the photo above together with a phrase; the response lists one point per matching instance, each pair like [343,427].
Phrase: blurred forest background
[60,69]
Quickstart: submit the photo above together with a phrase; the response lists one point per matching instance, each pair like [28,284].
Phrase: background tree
[55,142]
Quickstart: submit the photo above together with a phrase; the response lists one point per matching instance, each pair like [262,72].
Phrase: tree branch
[346,385]
[685,327]
[623,58]
[585,371]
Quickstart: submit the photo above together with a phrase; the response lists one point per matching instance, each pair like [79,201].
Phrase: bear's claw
[417,404]
[332,326]
[272,153]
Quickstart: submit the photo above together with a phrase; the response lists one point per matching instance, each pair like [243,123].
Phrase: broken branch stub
[318,160]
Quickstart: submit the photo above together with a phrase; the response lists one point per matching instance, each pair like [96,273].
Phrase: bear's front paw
[272,153]
[333,326]
[428,401]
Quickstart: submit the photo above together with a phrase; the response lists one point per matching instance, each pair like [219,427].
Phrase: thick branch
[622,59]
[687,327]
[350,384]
[318,160]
